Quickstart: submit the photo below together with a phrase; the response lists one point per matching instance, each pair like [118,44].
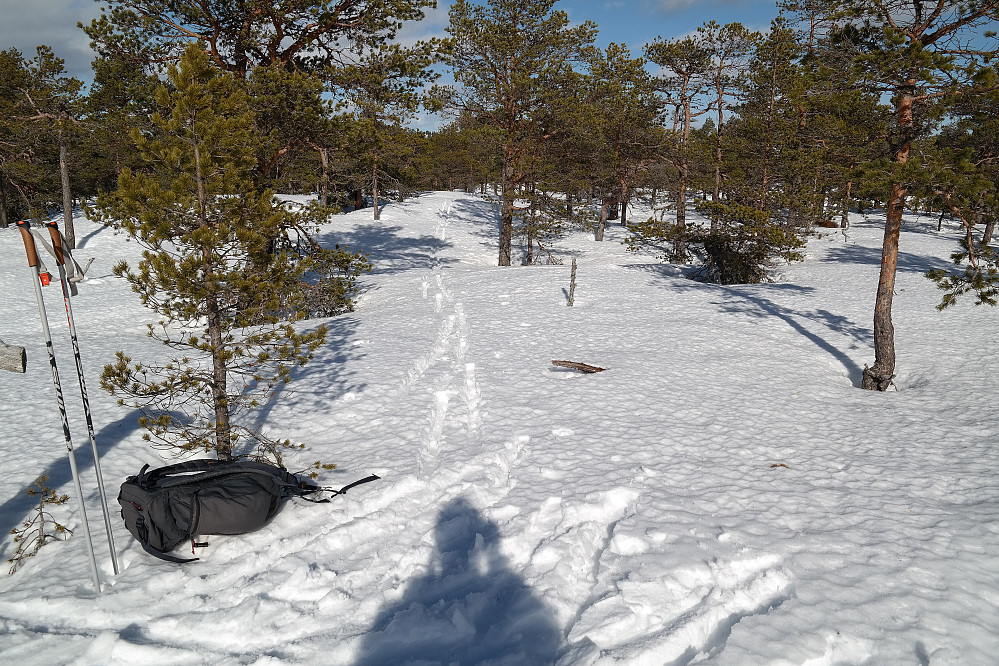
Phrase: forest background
[837,105]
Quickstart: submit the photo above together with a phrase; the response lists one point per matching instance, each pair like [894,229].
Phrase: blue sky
[640,21]
[27,23]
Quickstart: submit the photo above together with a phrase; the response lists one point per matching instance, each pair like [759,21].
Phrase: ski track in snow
[722,494]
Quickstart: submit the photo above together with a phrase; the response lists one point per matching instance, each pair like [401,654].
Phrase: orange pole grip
[56,242]
[29,243]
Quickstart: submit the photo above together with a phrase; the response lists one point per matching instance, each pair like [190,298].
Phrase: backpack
[166,506]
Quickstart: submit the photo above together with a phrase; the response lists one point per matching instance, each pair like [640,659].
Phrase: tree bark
[604,205]
[374,188]
[67,196]
[506,210]
[324,178]
[220,400]
[844,222]
[990,228]
[879,376]
[4,222]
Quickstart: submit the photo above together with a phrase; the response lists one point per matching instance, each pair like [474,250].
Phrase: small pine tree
[33,533]
[739,247]
[226,296]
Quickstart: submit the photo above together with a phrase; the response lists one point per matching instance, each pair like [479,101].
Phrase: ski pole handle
[56,242]
[29,243]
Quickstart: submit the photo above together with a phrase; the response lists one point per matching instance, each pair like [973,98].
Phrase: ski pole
[29,247]
[61,263]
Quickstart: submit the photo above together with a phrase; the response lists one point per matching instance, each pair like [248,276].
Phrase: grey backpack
[166,506]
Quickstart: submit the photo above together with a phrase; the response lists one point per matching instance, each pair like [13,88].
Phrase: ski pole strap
[29,242]
[60,250]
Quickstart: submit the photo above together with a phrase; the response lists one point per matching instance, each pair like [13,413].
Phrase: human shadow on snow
[469,608]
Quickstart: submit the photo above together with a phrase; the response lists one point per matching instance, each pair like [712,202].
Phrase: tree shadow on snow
[871,256]
[469,608]
[17,508]
[389,249]
[749,300]
[755,305]
[326,378]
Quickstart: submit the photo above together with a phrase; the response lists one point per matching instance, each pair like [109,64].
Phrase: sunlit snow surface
[722,494]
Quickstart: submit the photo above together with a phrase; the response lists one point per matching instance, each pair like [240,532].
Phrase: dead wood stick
[582,367]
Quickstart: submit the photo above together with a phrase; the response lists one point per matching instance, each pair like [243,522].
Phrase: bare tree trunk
[506,211]
[324,178]
[990,228]
[67,196]
[374,188]
[530,228]
[844,221]
[604,204]
[4,222]
[220,400]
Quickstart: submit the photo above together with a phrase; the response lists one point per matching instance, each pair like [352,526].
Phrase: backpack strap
[347,487]
[150,479]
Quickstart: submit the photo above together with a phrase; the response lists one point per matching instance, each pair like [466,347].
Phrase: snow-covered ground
[723,493]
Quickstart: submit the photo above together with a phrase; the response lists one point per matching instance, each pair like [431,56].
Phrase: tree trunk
[878,377]
[4,222]
[990,228]
[67,196]
[624,203]
[220,401]
[506,211]
[324,178]
[530,228]
[604,205]
[844,222]
[374,188]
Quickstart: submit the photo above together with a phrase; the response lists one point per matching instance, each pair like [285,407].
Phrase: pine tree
[624,111]
[918,52]
[304,35]
[37,131]
[207,269]
[383,89]
[506,56]
[686,65]
[730,47]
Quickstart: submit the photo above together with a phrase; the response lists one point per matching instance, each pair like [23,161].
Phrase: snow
[722,494]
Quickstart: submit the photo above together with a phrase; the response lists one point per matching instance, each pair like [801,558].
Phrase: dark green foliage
[509,58]
[34,532]
[738,248]
[980,278]
[226,295]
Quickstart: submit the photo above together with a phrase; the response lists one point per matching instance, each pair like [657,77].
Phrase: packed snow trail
[722,494]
